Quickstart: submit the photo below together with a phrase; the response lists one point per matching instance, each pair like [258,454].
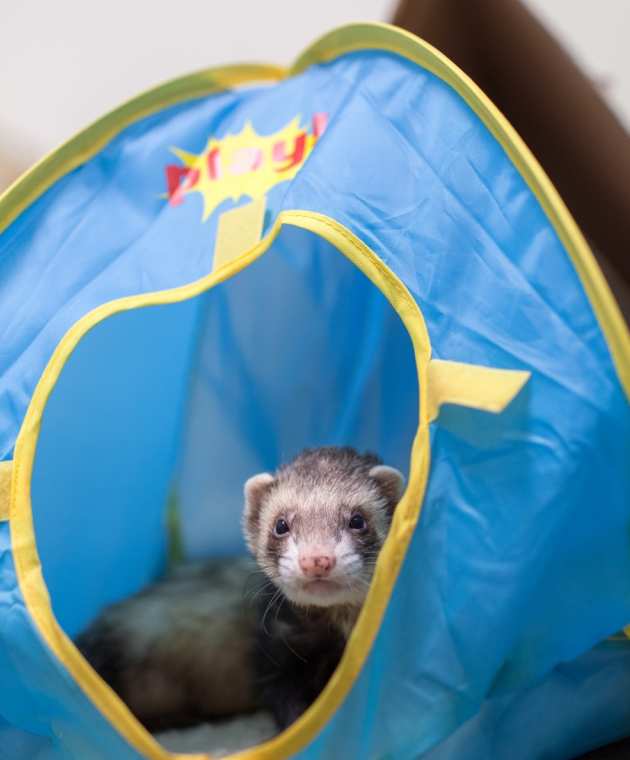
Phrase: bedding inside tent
[298,349]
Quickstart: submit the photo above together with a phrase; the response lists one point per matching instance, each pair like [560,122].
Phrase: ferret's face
[317,526]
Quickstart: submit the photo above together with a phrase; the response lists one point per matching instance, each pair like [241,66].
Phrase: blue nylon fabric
[17,743]
[37,695]
[576,707]
[521,563]
[106,457]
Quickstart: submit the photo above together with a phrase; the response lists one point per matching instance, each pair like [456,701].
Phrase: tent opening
[181,403]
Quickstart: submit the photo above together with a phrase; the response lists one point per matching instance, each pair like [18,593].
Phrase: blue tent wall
[520,565]
[106,459]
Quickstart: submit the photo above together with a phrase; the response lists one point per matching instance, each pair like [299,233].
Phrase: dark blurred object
[555,108]
[617,751]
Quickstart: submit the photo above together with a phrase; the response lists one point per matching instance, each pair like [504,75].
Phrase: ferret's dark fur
[180,652]
[298,652]
[302,632]
[193,647]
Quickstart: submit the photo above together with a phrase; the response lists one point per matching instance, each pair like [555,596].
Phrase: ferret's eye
[281,527]
[357,522]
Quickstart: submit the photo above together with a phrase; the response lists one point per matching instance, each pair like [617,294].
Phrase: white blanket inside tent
[221,738]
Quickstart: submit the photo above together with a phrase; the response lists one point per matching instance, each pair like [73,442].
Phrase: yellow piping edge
[89,141]
[27,564]
[6,476]
[378,36]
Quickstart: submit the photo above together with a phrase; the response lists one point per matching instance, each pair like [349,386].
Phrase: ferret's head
[316,526]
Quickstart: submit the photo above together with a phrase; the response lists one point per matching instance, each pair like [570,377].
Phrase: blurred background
[67,63]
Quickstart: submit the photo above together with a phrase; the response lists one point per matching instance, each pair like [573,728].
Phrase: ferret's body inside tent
[360,251]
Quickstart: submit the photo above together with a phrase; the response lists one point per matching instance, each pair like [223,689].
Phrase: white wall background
[66,62]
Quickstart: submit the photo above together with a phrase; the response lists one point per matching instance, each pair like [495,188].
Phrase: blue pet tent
[359,250]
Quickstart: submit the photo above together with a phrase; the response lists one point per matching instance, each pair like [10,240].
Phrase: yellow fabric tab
[471,385]
[238,231]
[6,472]
[626,630]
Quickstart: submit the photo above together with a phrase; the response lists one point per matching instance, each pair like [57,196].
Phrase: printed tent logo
[242,164]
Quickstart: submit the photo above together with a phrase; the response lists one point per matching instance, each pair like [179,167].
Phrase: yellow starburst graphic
[243,164]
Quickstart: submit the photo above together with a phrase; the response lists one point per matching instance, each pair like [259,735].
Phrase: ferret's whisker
[273,600]
[260,591]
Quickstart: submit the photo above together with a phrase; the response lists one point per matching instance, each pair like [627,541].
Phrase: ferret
[316,528]
[194,647]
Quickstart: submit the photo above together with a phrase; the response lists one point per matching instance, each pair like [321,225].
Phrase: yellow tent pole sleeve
[238,230]
[6,473]
[485,388]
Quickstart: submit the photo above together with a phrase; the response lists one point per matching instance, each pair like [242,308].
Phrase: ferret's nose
[317,564]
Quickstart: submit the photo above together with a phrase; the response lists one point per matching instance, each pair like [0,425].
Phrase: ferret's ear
[391,483]
[255,490]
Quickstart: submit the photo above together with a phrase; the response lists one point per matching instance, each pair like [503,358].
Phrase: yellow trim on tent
[6,474]
[28,568]
[86,145]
